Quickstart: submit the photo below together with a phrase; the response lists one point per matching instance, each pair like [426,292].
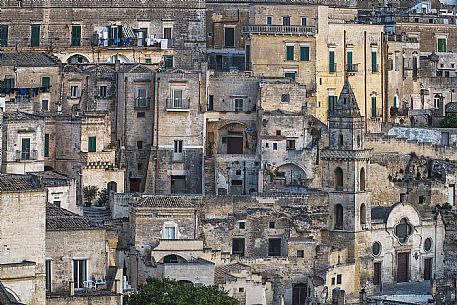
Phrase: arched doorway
[112,186]
[338,179]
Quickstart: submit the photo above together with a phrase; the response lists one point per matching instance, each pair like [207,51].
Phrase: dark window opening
[229,37]
[339,217]
[274,247]
[338,179]
[242,225]
[170,259]
[238,246]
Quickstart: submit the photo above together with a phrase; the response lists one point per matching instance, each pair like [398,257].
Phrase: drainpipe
[124,142]
[157,137]
[365,77]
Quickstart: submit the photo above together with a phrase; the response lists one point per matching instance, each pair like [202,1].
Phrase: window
[396,101]
[436,101]
[35,36]
[303,21]
[177,146]
[451,194]
[169,232]
[46,82]
[229,37]
[403,230]
[48,275]
[300,253]
[285,98]
[44,105]
[46,145]
[374,62]
[271,225]
[340,140]
[278,132]
[76,36]
[338,179]
[289,52]
[238,104]
[299,294]
[304,53]
[428,244]
[241,289]
[339,217]
[290,75]
[286,21]
[376,248]
[8,82]
[210,106]
[167,32]
[139,144]
[148,60]
[332,65]
[74,91]
[441,45]
[241,225]
[373,106]
[274,247]
[362,179]
[140,114]
[275,146]
[339,279]
[332,99]
[238,246]
[102,91]
[350,66]
[422,199]
[177,98]
[141,97]
[92,144]
[377,273]
[3,35]
[79,272]
[170,259]
[290,144]
[168,59]
[25,149]
[139,166]
[333,281]
[363,215]
[269,20]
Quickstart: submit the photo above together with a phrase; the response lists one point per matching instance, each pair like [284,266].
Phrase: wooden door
[377,273]
[402,267]
[427,269]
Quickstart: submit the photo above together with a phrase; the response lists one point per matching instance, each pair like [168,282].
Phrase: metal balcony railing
[352,68]
[279,29]
[26,155]
[177,104]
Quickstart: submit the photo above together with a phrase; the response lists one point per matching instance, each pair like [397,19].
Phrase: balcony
[178,104]
[332,68]
[352,68]
[115,43]
[279,30]
[26,155]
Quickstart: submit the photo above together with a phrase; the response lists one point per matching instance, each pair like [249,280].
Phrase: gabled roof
[169,201]
[346,106]
[61,219]
[17,183]
[32,59]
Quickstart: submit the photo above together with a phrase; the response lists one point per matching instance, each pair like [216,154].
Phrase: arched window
[403,230]
[362,179]
[340,140]
[338,179]
[338,217]
[363,214]
[170,259]
[437,101]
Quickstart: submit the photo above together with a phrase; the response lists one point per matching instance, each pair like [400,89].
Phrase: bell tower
[346,166]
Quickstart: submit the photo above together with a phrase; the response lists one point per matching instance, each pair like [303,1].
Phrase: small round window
[376,248]
[403,230]
[428,244]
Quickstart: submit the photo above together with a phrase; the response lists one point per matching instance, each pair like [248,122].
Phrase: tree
[163,291]
[450,121]
[103,197]
[90,193]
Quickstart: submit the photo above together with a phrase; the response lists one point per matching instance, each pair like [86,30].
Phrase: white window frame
[73,270]
[170,225]
[236,107]
[47,105]
[74,91]
[139,98]
[177,101]
[266,20]
[306,21]
[178,146]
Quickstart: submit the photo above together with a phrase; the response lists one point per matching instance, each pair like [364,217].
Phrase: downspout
[365,77]
[124,136]
[384,88]
[157,138]
[202,108]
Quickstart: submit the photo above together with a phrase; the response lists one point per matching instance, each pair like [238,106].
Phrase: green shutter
[25,152]
[92,144]
[3,35]
[168,62]
[373,106]
[46,145]
[331,61]
[45,81]
[35,42]
[349,60]
[374,62]
[441,44]
[76,36]
[289,52]
[304,53]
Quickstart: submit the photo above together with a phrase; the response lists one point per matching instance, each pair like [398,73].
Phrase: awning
[127,31]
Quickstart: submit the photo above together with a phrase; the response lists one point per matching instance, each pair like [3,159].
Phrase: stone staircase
[210,183]
[96,215]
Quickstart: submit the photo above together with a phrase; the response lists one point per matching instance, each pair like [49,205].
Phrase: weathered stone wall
[110,299]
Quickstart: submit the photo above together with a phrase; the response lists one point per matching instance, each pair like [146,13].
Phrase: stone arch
[291,174]
[338,179]
[362,179]
[232,138]
[363,214]
[173,259]
[338,217]
[112,186]
[122,59]
[77,58]
[11,295]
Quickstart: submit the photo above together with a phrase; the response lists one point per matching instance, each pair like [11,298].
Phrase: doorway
[428,269]
[402,267]
[234,145]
